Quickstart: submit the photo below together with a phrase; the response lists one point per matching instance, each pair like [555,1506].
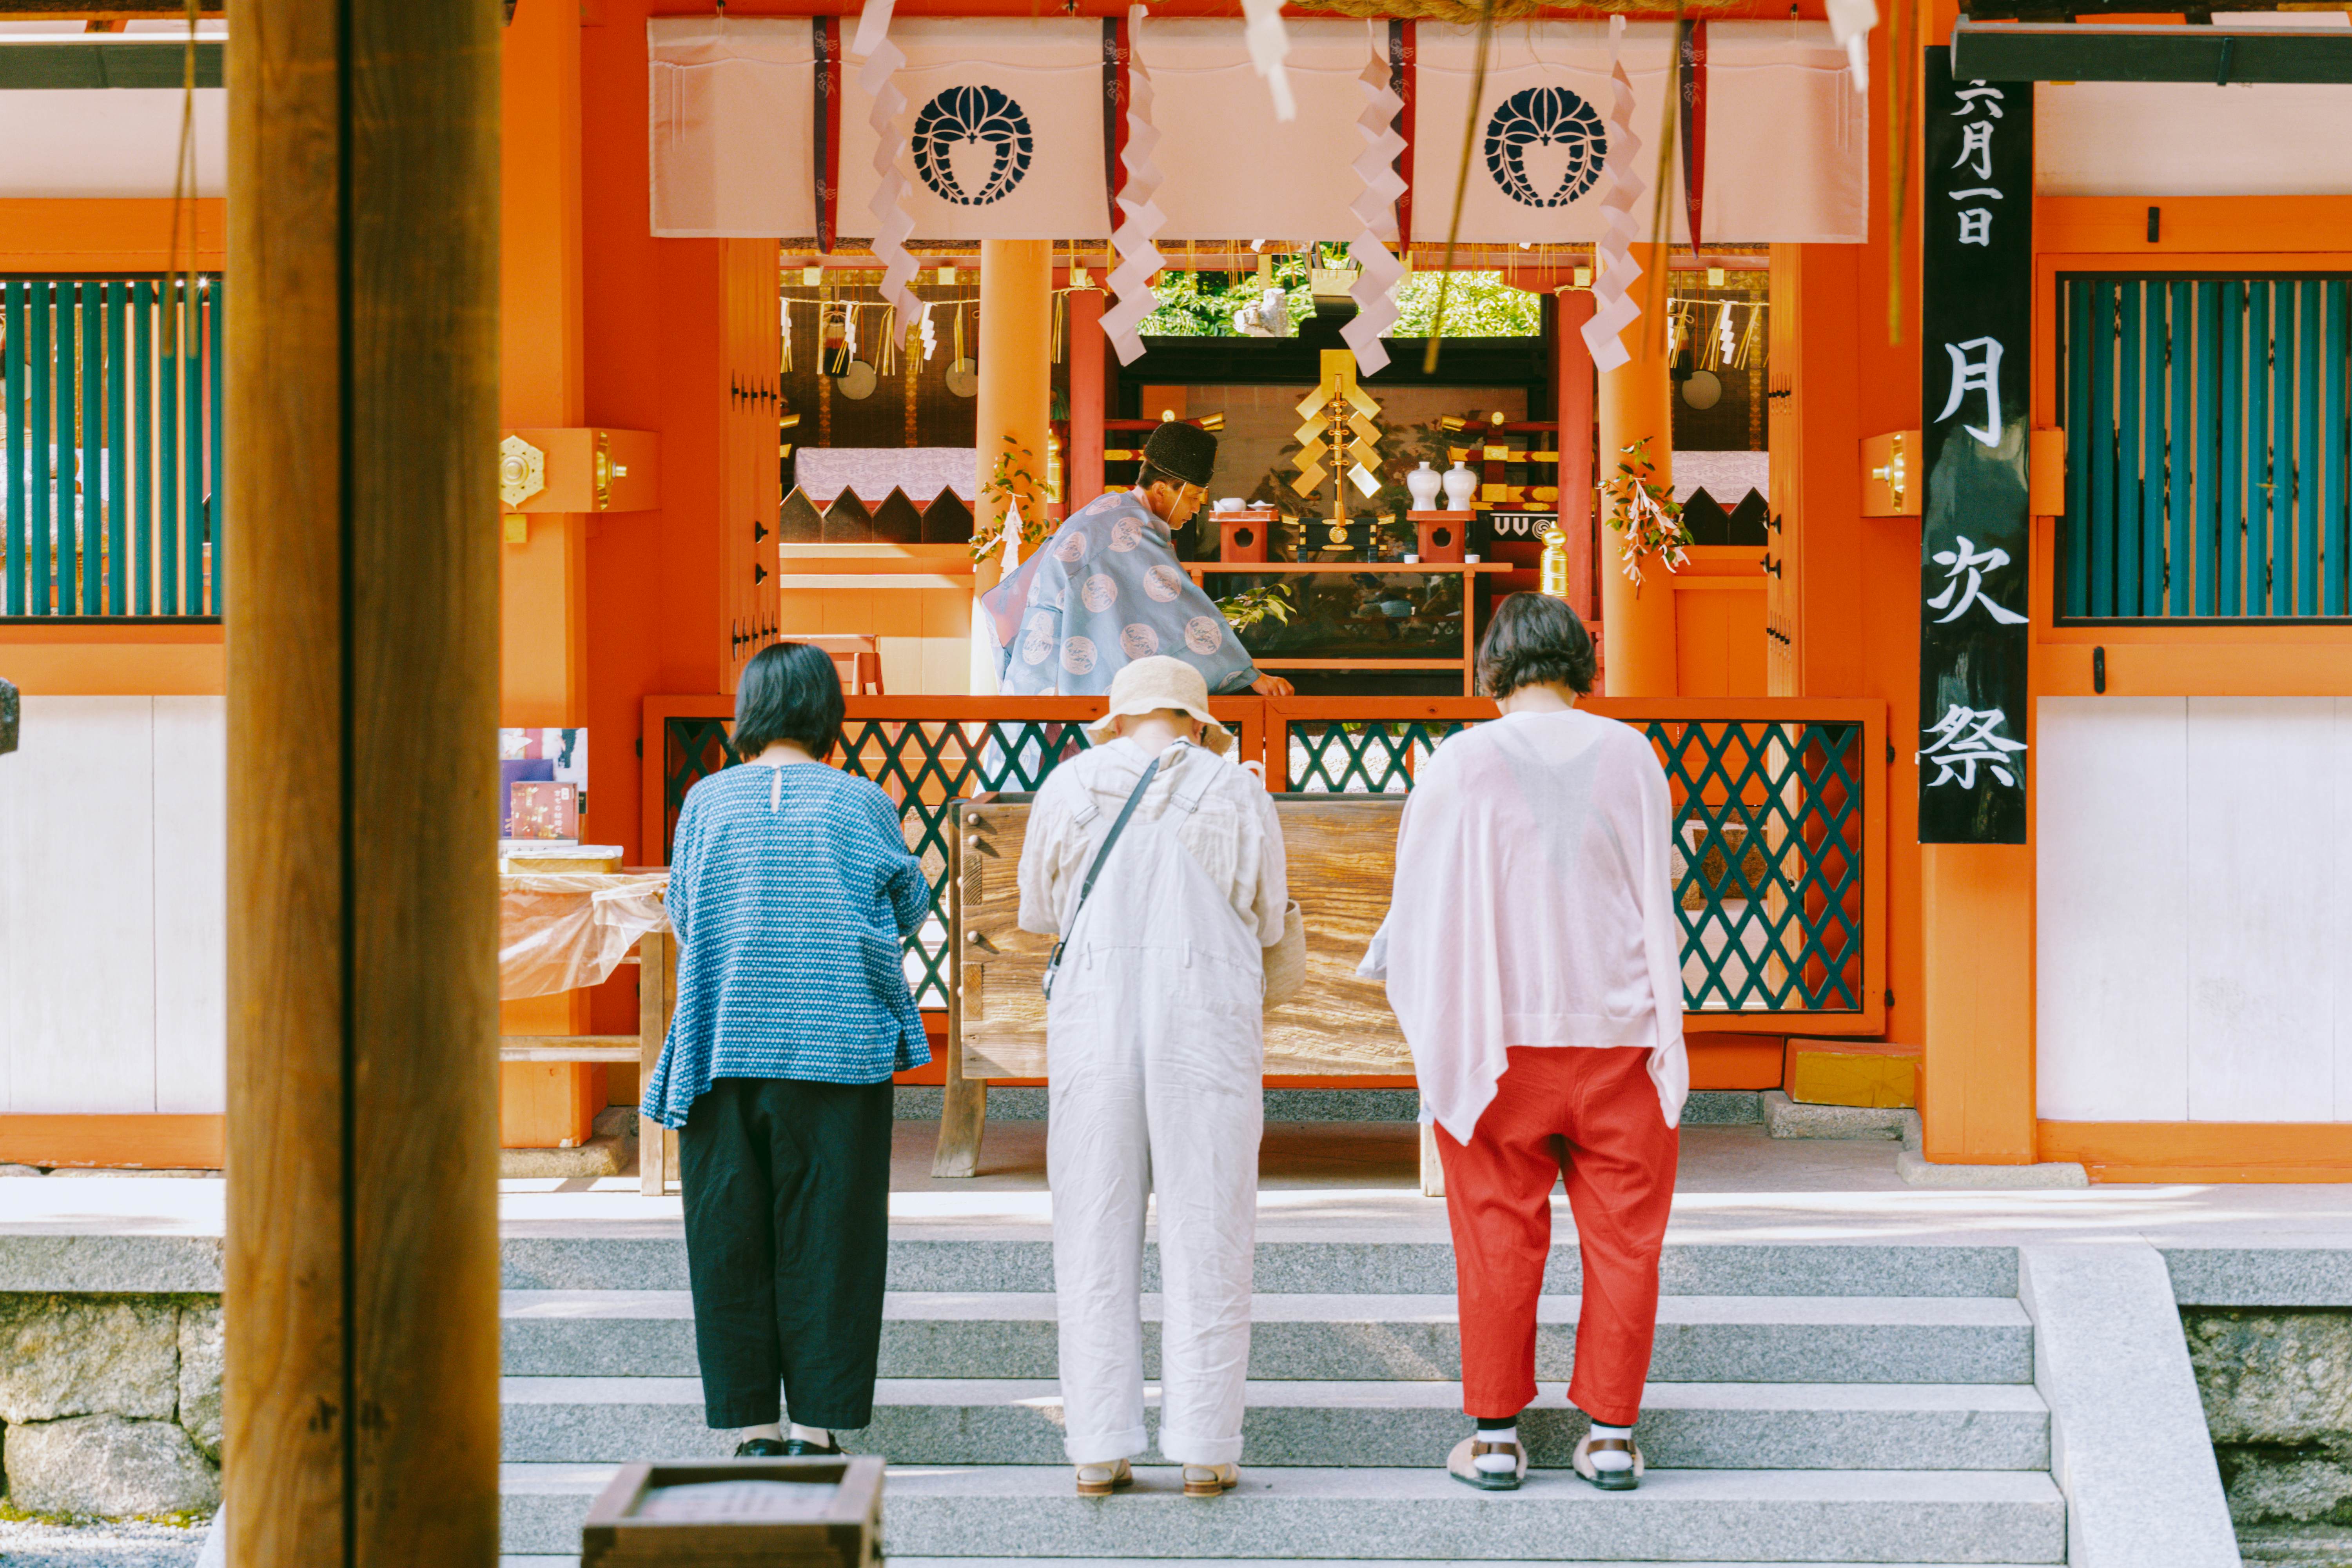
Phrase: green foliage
[1645,512]
[1477,304]
[1254,607]
[1013,481]
[1189,310]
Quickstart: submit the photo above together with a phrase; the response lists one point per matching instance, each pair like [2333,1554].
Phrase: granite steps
[1810,1403]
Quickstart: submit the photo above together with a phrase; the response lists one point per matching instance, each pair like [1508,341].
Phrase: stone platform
[1848,1369]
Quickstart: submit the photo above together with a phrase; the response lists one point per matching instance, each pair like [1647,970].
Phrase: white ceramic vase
[1424,482]
[1461,487]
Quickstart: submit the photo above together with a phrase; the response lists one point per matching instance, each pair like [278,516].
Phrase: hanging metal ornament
[858,381]
[964,375]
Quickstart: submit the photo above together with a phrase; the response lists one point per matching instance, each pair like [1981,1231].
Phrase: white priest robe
[1534,906]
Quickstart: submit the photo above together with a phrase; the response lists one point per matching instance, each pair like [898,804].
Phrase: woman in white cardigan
[1533,959]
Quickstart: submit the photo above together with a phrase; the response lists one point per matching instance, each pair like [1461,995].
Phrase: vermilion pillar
[1083,463]
[1015,403]
[1636,402]
[1572,364]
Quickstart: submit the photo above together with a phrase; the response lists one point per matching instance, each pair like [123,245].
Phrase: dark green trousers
[787,1188]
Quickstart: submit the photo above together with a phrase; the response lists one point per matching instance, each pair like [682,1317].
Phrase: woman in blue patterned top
[792,893]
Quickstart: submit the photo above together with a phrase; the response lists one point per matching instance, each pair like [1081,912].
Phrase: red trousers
[1591,1116]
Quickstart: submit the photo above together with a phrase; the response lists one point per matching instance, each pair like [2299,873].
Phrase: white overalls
[1155,1055]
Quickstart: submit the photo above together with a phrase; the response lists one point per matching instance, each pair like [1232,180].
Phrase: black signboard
[1975,310]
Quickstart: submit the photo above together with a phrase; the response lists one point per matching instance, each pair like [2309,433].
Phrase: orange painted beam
[2227,227]
[129,234]
[135,660]
[120,1143]
[2203,1151]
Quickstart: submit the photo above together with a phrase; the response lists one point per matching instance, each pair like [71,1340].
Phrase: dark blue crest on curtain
[1544,117]
[982,116]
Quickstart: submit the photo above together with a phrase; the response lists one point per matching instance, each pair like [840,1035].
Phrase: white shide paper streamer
[1850,23]
[1614,305]
[1140,218]
[1377,271]
[877,75]
[1269,44]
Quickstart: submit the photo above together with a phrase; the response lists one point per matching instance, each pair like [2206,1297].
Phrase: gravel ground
[24,1544]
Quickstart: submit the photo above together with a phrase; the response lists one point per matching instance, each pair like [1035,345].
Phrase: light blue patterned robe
[1104,591]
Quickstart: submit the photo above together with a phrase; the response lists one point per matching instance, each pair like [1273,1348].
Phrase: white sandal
[1211,1480]
[1102,1479]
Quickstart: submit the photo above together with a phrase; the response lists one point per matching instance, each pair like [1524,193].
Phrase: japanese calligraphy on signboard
[1976,324]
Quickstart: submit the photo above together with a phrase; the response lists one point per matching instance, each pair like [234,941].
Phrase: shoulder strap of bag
[1054,964]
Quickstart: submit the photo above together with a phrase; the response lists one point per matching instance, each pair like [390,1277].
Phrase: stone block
[2128,1438]
[1785,1117]
[200,1377]
[2274,1377]
[62,1356]
[107,1466]
[2270,1485]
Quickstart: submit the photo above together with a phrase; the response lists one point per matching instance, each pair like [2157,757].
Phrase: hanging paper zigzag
[1377,272]
[1269,44]
[1850,23]
[1614,305]
[892,222]
[1140,215]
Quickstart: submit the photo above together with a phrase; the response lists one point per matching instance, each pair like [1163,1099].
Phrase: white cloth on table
[1533,905]
[1155,1058]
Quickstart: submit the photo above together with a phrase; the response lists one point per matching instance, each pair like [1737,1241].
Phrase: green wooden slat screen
[2209,447]
[110,447]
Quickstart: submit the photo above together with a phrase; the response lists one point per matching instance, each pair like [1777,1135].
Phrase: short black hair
[1535,640]
[1147,475]
[789,691]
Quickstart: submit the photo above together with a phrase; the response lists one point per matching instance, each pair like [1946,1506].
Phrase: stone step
[1029,1511]
[658,1262]
[1701,1338]
[1686,1426]
[536,1561]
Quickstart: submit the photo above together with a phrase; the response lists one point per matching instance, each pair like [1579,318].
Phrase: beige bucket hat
[1151,684]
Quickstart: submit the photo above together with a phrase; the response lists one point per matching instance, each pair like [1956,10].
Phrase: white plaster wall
[112,861]
[2191,139]
[2193,909]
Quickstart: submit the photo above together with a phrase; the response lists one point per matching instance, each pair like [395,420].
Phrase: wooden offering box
[739,1513]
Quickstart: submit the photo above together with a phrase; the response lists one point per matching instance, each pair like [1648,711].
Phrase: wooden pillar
[1571,403]
[361,1254]
[1977,1102]
[1636,401]
[1014,405]
[1089,406]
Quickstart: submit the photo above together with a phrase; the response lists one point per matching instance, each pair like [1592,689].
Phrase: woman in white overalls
[1155,1054]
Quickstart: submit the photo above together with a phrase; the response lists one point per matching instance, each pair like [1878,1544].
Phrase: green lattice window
[1769,829]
